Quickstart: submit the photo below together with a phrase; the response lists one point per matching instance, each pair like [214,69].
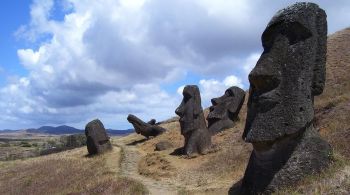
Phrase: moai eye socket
[294,31]
[229,92]
[214,101]
[187,96]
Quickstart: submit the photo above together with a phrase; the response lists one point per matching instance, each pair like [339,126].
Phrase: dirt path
[129,168]
[112,160]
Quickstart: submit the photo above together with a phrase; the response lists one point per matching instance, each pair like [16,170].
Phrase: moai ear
[319,73]
[238,101]
[233,107]
[197,107]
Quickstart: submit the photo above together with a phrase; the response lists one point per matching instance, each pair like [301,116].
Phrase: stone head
[96,130]
[190,109]
[136,122]
[289,73]
[226,106]
[97,138]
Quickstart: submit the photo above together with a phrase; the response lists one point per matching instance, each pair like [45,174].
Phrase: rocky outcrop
[289,73]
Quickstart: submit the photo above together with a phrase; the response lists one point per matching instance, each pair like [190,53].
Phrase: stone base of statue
[285,162]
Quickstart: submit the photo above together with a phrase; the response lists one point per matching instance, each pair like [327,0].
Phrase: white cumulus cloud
[214,88]
[108,58]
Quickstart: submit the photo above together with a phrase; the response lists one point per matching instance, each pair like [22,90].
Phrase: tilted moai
[289,73]
[97,140]
[192,122]
[146,129]
[225,109]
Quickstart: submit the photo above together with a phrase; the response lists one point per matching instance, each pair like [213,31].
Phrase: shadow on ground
[136,142]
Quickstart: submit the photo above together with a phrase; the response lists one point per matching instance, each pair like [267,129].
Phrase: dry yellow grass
[155,166]
[67,172]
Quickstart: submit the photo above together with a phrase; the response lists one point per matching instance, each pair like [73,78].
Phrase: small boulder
[163,145]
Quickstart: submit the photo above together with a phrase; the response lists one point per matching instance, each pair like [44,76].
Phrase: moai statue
[192,122]
[224,111]
[97,140]
[146,129]
[289,73]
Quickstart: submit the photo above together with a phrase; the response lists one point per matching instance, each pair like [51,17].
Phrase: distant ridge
[63,130]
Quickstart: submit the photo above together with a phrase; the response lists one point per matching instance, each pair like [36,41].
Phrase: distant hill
[62,130]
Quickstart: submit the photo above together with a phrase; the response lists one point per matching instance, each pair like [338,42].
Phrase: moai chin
[192,122]
[289,73]
[97,140]
[225,109]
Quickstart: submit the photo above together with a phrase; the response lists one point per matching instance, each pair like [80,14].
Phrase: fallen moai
[289,73]
[146,129]
[192,122]
[97,140]
[225,109]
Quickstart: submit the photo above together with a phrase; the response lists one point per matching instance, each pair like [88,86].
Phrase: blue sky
[70,61]
[13,14]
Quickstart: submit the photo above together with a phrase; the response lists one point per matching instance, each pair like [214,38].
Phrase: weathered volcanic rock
[152,122]
[289,73]
[224,110]
[97,140]
[145,129]
[192,122]
[163,145]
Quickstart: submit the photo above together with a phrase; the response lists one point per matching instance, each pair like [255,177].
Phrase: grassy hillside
[134,166]
[222,169]
[69,172]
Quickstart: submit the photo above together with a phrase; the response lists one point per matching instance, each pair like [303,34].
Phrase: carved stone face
[190,109]
[225,109]
[136,122]
[289,73]
[225,106]
[145,129]
[97,138]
